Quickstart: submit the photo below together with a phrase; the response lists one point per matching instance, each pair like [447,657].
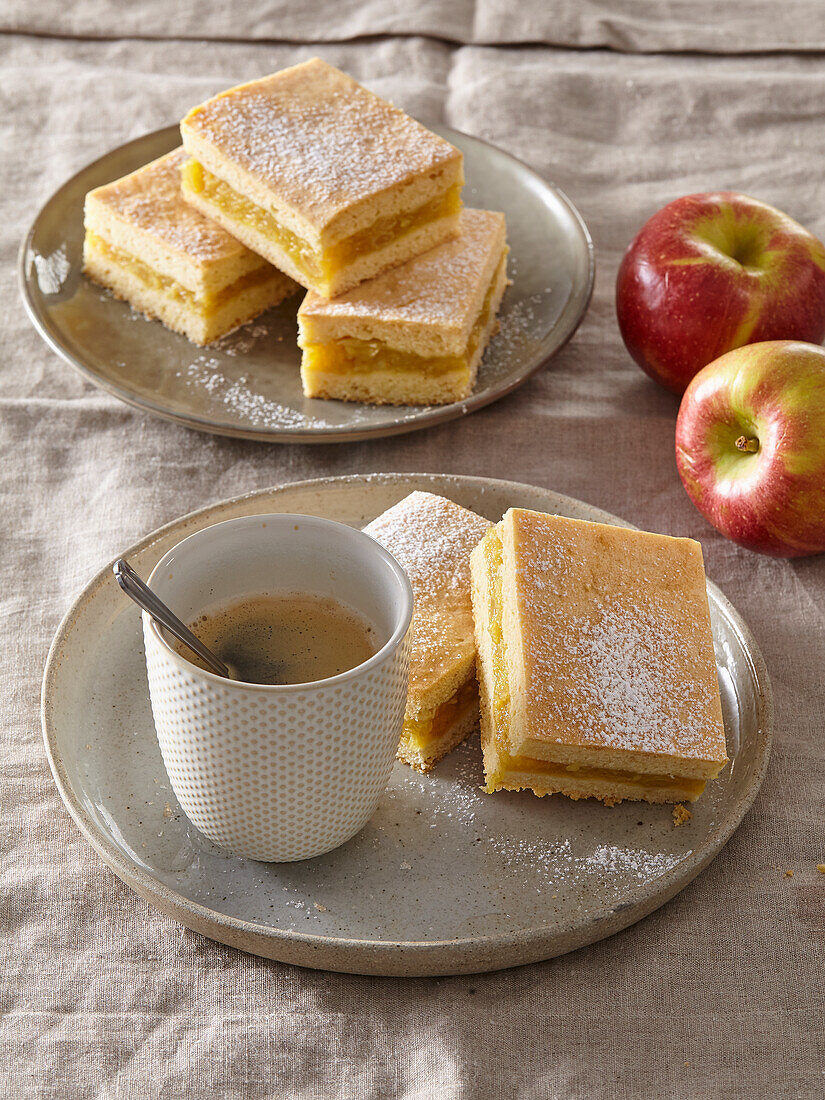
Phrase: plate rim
[438,414]
[381,957]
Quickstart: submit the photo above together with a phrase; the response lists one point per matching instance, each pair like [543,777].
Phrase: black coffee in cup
[285,639]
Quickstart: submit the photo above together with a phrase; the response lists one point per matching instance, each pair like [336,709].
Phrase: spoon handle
[145,598]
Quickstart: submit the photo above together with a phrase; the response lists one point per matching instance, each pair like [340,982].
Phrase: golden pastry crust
[319,150]
[152,249]
[681,815]
[415,335]
[424,758]
[611,643]
[324,179]
[428,306]
[432,538]
[145,215]
[201,321]
[596,666]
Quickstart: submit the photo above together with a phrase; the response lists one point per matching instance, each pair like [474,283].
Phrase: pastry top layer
[144,214]
[432,539]
[427,306]
[609,642]
[311,139]
[150,201]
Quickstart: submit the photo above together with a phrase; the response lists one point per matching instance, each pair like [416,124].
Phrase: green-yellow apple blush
[750,446]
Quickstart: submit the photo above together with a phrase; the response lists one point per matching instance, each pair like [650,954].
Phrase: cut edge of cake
[432,537]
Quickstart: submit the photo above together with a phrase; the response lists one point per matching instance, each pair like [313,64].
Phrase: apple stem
[745,444]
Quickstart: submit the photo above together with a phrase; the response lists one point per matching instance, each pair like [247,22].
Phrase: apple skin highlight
[712,272]
[750,446]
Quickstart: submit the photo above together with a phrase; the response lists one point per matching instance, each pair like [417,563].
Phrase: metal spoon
[145,598]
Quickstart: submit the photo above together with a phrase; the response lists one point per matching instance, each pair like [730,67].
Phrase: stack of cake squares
[306,179]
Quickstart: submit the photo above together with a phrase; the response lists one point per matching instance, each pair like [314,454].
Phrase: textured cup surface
[280,772]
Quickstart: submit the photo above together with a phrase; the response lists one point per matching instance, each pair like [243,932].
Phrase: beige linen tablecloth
[720,993]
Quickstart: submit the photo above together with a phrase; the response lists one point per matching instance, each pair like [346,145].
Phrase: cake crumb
[319,907]
[681,814]
[821,868]
[789,874]
[167,810]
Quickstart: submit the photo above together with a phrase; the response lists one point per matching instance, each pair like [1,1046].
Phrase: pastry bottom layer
[425,741]
[387,387]
[377,374]
[544,777]
[316,270]
[200,319]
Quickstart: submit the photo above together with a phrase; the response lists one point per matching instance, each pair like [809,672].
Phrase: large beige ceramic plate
[444,879]
[248,384]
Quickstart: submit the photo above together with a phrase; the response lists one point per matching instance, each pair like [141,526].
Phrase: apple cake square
[596,664]
[320,176]
[414,335]
[432,538]
[167,260]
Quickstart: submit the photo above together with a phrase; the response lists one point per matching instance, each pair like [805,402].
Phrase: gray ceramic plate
[248,383]
[444,879]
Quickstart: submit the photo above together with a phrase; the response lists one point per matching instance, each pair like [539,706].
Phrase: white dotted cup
[280,772]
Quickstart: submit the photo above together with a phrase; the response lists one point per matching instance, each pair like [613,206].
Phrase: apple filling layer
[205,304]
[314,264]
[510,767]
[422,733]
[350,356]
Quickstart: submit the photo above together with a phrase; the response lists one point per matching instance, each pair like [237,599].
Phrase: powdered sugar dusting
[616,642]
[52,270]
[518,329]
[241,340]
[432,539]
[629,696]
[150,199]
[239,397]
[636,861]
[318,138]
[441,287]
[458,807]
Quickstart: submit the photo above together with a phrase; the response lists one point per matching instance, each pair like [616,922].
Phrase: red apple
[750,446]
[712,272]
